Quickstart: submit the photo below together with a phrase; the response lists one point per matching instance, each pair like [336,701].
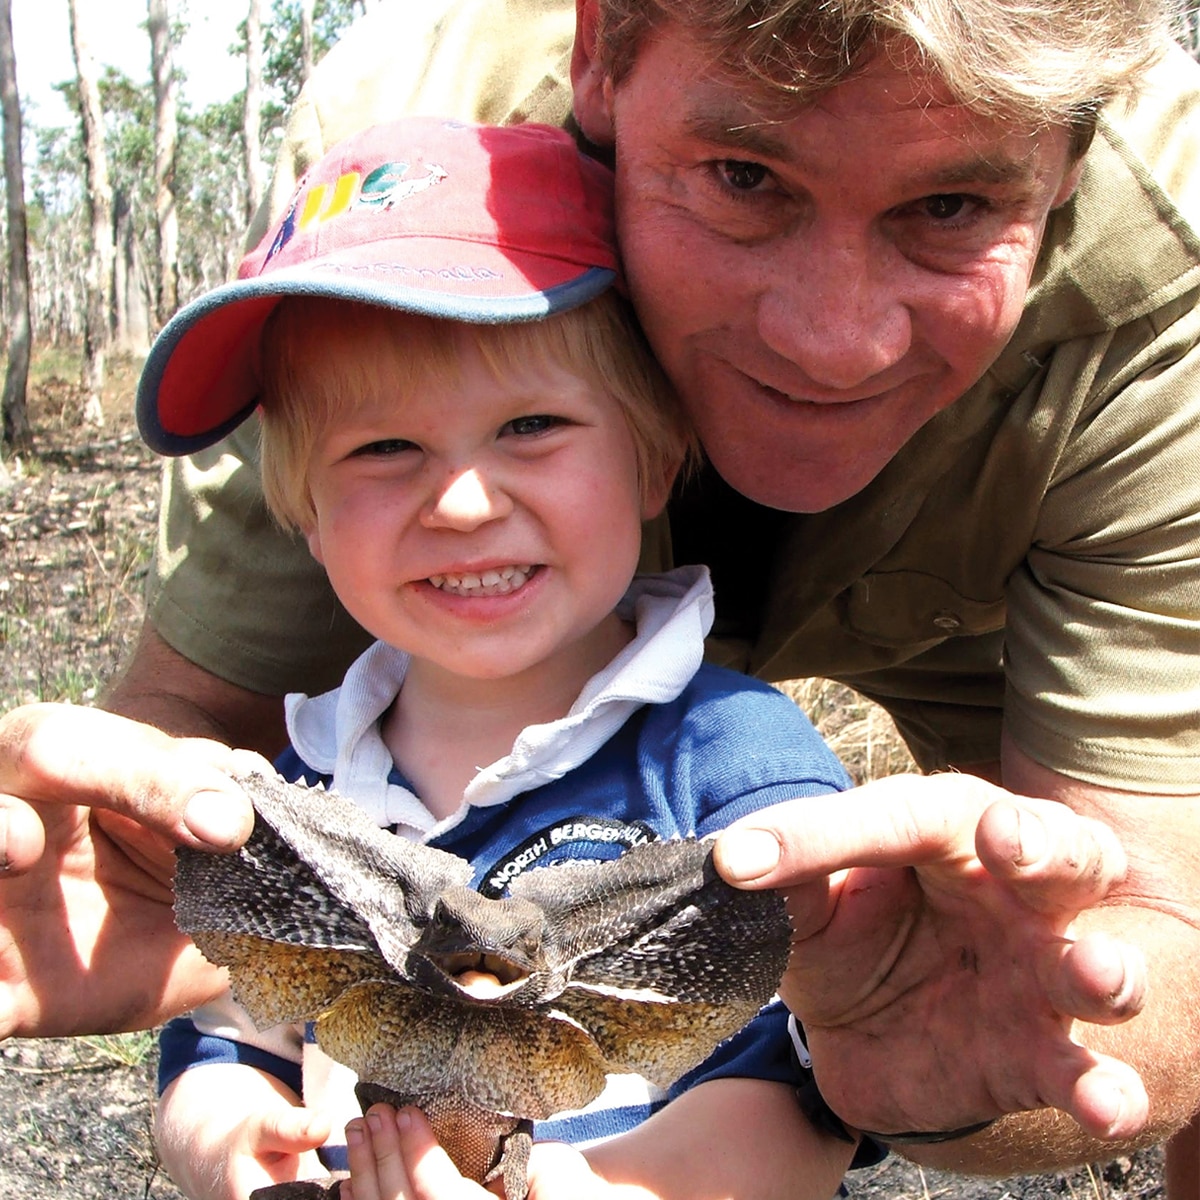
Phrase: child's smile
[490,581]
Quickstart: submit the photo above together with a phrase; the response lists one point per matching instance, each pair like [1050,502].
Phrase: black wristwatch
[928,1137]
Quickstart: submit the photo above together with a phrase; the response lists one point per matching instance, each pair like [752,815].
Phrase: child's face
[485,526]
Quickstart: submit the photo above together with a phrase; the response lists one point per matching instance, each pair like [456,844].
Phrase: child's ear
[313,537]
[656,493]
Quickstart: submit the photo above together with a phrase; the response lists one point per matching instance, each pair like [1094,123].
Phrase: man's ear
[1070,182]
[590,84]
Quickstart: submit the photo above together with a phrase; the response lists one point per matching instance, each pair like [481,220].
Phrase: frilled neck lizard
[486,1014]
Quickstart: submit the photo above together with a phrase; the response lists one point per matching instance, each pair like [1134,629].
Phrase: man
[943,362]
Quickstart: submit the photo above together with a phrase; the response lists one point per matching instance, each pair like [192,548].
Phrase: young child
[459,415]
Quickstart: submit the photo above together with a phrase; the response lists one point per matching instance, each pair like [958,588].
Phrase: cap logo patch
[387,185]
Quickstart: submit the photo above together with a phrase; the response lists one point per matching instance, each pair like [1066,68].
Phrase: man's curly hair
[1034,62]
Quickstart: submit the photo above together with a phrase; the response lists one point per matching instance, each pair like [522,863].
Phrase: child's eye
[384,448]
[530,426]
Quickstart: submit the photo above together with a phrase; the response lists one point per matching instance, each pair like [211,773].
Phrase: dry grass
[77,519]
[861,733]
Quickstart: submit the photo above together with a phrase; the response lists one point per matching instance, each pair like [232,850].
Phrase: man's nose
[465,500]
[833,308]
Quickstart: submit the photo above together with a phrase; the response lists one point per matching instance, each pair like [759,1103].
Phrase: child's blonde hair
[313,370]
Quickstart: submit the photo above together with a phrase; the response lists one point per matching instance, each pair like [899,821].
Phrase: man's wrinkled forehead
[738,98]
[721,112]
[770,84]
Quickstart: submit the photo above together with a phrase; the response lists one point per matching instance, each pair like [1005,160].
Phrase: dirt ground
[78,1115]
[76,529]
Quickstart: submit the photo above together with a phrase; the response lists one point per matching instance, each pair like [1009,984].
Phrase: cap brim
[201,379]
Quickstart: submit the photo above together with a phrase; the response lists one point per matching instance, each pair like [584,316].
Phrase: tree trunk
[15,417]
[252,120]
[98,205]
[306,39]
[132,289]
[166,142]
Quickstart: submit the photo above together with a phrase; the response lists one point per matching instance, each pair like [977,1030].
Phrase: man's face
[819,286]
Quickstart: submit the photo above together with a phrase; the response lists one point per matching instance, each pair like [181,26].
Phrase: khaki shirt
[1029,558]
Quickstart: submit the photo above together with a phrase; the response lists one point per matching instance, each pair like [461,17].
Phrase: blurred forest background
[141,202]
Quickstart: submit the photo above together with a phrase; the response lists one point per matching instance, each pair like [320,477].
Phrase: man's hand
[91,805]
[933,965]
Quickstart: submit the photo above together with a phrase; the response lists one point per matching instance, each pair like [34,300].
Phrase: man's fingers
[1098,979]
[1105,1096]
[1110,1101]
[178,787]
[1101,980]
[22,836]
[901,821]
[1059,860]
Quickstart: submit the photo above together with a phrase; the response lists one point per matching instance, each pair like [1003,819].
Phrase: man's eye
[743,176]
[945,207]
[528,426]
[383,448]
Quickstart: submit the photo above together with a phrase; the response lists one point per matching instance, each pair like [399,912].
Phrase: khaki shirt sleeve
[1103,638]
[227,589]
[231,591]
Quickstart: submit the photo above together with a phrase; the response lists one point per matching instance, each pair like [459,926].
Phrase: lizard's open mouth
[482,975]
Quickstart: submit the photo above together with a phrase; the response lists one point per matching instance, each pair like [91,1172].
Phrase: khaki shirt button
[947,621]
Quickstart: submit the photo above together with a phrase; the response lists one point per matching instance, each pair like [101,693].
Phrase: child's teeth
[492,582]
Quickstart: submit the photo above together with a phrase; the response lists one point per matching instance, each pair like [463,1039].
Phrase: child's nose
[466,500]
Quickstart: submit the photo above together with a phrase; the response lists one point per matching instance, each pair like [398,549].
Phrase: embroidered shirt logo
[386,186]
[601,837]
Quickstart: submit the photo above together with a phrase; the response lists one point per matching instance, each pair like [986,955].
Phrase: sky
[42,39]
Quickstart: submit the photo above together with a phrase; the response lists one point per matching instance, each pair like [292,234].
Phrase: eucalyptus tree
[16,432]
[166,142]
[253,109]
[98,202]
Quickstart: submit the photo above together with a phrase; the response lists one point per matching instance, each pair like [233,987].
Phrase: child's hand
[276,1145]
[394,1156]
[224,1129]
[377,1170]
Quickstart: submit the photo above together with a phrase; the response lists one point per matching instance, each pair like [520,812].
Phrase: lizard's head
[486,948]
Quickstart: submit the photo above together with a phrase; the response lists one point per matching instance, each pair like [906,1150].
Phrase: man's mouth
[831,403]
[497,581]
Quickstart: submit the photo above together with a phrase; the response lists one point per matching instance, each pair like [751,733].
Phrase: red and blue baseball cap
[473,223]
